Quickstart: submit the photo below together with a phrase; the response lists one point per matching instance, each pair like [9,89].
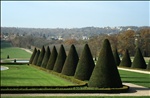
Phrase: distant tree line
[122,40]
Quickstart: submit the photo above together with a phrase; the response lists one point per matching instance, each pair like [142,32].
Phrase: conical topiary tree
[60,60]
[52,59]
[36,57]
[148,66]
[138,61]
[70,62]
[32,56]
[116,57]
[105,73]
[41,56]
[85,65]
[126,61]
[46,57]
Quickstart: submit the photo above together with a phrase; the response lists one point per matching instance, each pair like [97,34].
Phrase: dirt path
[27,50]
[133,70]
[135,90]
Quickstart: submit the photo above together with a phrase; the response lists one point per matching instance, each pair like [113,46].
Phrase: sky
[74,14]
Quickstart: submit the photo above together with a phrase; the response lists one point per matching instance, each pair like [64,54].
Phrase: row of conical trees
[104,75]
[138,61]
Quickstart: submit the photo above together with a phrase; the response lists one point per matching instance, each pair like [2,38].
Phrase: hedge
[46,57]
[105,73]
[116,57]
[138,61]
[41,56]
[52,59]
[85,65]
[36,57]
[70,62]
[60,60]
[32,56]
[126,61]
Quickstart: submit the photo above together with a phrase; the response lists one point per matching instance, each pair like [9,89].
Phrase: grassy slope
[30,76]
[135,78]
[13,52]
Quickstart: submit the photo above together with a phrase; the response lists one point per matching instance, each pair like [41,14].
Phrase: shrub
[60,60]
[71,62]
[105,73]
[138,61]
[52,59]
[7,56]
[36,57]
[116,57]
[32,56]
[148,66]
[126,61]
[41,56]
[46,57]
[85,65]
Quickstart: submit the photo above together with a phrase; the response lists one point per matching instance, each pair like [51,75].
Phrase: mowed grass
[23,75]
[135,78]
[75,96]
[14,52]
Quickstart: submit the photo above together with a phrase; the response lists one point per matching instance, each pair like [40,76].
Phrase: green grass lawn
[14,52]
[135,78]
[23,75]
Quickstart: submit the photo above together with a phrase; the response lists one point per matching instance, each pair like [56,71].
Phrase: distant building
[85,38]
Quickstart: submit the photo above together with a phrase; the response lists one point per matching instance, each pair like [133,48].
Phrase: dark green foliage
[105,73]
[36,57]
[32,56]
[116,57]
[60,60]
[71,62]
[148,66]
[85,65]
[138,61]
[52,59]
[126,61]
[46,57]
[41,56]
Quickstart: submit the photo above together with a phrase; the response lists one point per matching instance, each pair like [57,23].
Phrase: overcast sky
[74,14]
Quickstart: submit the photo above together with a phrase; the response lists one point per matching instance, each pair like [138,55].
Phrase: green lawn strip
[25,75]
[14,52]
[135,78]
[74,96]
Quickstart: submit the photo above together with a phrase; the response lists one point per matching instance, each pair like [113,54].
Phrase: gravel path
[134,70]
[27,50]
